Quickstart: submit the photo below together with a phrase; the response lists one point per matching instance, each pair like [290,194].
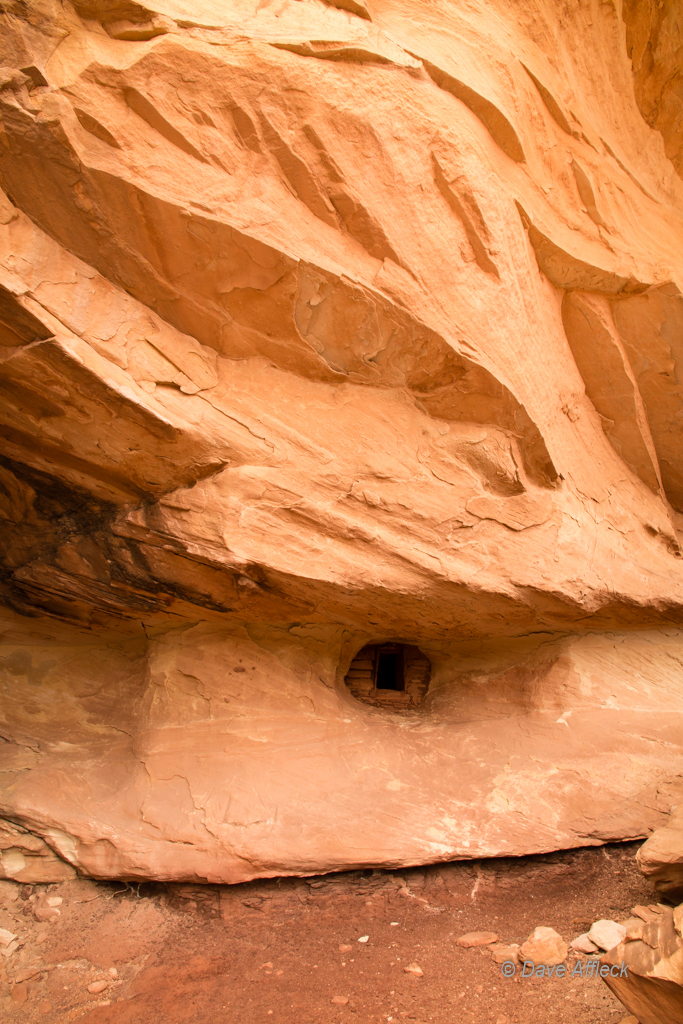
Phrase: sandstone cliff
[328,325]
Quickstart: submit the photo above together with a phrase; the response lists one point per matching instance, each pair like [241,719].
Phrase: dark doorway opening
[389,670]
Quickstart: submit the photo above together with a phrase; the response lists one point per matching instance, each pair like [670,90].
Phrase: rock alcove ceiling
[326,326]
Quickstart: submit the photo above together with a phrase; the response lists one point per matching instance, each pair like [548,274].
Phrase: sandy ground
[270,952]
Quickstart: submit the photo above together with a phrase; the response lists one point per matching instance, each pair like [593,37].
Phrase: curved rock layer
[325,325]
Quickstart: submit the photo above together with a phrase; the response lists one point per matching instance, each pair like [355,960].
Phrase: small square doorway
[389,669]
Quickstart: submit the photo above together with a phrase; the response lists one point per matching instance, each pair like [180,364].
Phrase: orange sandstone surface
[341,359]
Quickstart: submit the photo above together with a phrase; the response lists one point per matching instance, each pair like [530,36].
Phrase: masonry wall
[416,669]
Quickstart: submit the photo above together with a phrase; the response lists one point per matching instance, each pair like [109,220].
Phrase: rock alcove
[322,323]
[391,675]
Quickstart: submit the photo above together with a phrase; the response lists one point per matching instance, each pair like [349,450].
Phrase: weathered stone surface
[501,953]
[606,934]
[544,946]
[654,38]
[653,987]
[583,944]
[328,331]
[28,858]
[661,857]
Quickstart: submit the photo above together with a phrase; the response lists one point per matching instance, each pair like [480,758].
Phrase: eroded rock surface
[654,39]
[661,857]
[335,327]
[646,970]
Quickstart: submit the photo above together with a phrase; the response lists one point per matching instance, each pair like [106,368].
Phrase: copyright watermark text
[582,969]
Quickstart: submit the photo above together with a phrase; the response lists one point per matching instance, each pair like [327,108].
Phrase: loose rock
[607,934]
[582,944]
[19,993]
[471,939]
[501,953]
[43,913]
[650,915]
[26,973]
[414,969]
[9,892]
[661,858]
[97,986]
[340,1000]
[545,946]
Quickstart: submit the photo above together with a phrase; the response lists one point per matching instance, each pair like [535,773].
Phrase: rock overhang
[293,370]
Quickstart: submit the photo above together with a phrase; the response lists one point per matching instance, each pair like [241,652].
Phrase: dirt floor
[287,951]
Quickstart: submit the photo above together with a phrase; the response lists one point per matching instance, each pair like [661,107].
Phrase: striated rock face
[332,333]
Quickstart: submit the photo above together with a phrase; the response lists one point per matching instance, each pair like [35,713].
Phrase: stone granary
[342,432]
